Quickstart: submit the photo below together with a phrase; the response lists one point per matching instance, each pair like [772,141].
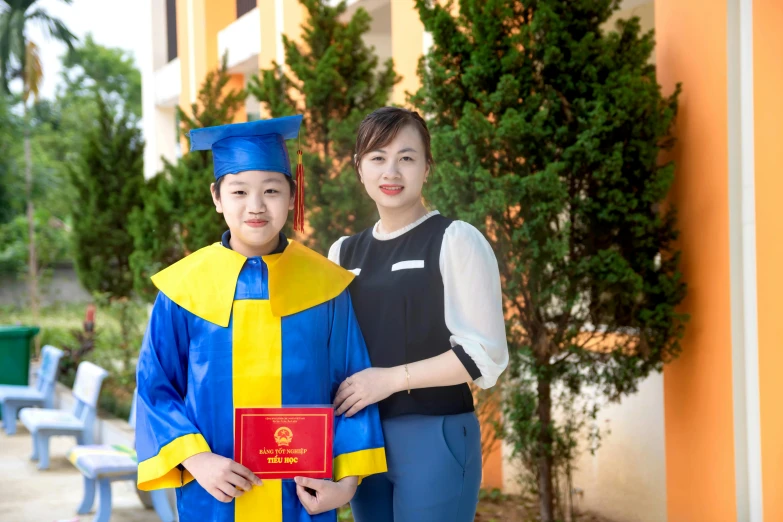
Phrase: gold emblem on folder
[283,436]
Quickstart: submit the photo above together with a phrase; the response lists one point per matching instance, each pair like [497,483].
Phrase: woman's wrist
[399,377]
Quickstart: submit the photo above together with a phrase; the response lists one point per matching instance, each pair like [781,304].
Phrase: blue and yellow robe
[228,331]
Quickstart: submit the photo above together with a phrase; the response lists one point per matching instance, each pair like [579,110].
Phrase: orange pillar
[198,24]
[700,476]
[218,14]
[768,129]
[407,47]
[236,83]
[269,36]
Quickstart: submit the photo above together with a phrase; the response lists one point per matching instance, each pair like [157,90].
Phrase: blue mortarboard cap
[256,145]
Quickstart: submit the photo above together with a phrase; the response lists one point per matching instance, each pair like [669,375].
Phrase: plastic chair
[103,464]
[13,398]
[78,423]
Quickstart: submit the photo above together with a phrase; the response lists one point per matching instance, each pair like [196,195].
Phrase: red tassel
[300,195]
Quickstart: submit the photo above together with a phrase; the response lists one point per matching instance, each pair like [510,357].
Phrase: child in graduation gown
[253,321]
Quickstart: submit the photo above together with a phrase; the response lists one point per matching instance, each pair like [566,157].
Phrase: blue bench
[14,398]
[103,464]
[43,424]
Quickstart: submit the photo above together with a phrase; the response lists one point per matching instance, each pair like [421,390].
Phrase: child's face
[394,174]
[255,205]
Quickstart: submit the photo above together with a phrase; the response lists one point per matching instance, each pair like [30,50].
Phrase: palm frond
[11,46]
[15,51]
[54,26]
[18,40]
[22,5]
[33,72]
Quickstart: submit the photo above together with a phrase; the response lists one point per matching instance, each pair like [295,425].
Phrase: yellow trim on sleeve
[360,463]
[160,471]
[187,477]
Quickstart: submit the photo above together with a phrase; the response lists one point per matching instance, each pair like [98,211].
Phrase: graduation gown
[228,331]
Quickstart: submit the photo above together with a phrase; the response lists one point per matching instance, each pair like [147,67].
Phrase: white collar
[397,233]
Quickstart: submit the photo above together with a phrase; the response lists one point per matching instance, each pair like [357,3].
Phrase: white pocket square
[405,265]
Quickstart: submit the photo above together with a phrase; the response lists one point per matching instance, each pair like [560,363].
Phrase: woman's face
[393,175]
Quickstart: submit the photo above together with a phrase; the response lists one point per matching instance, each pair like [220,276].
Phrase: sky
[113,23]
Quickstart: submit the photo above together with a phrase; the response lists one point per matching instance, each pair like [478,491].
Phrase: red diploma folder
[283,443]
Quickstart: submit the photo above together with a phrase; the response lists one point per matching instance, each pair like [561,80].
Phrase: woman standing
[428,300]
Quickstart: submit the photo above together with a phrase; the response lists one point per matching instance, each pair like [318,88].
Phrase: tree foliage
[10,129]
[334,79]
[90,67]
[108,178]
[179,216]
[59,130]
[547,131]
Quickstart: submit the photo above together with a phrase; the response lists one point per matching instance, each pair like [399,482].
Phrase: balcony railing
[168,84]
[241,40]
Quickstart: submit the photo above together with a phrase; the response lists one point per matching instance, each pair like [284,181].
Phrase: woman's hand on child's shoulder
[223,478]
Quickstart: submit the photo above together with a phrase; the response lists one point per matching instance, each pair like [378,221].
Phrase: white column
[742,216]
[191,52]
[147,65]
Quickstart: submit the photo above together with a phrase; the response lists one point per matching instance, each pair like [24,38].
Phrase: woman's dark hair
[219,182]
[382,125]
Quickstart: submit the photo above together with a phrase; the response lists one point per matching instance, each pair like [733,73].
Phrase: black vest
[399,303]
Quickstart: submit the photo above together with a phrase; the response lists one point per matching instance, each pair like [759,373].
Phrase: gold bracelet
[408,379]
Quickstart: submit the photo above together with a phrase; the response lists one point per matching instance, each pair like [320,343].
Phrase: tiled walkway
[29,495]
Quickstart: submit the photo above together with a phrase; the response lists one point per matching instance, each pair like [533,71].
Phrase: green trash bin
[15,350]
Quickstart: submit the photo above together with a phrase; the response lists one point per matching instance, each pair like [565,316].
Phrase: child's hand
[223,478]
[328,495]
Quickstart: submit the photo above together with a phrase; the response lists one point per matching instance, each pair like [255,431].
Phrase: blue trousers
[434,472]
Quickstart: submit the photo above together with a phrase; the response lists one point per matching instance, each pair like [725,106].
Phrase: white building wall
[626,479]
[158,123]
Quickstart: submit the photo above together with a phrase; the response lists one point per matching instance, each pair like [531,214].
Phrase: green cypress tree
[9,132]
[335,80]
[179,216]
[108,178]
[547,133]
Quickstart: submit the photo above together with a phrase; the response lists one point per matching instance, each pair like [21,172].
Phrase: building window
[245,6]
[171,28]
